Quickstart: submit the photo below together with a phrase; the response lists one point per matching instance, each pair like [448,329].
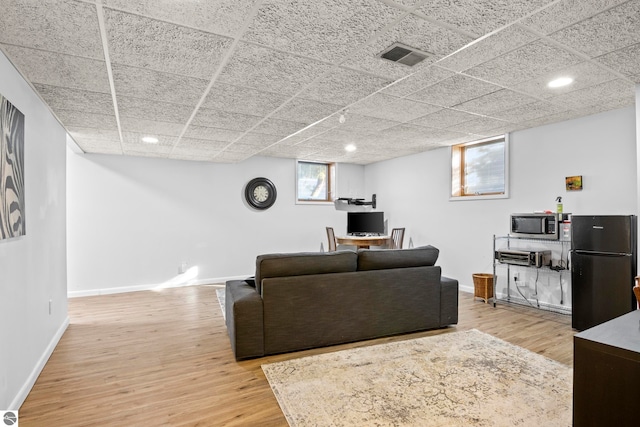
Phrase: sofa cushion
[372,259]
[303,263]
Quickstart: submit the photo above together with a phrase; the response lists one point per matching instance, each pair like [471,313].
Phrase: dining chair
[332,240]
[397,236]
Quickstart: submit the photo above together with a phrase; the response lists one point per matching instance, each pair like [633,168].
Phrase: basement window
[479,169]
[315,182]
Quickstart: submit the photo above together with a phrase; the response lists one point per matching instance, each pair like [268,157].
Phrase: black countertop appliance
[603,268]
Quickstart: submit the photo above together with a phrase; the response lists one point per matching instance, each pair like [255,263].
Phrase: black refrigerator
[603,268]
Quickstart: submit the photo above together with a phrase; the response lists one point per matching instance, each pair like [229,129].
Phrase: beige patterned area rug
[454,379]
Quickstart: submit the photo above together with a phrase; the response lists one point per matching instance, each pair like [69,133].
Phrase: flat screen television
[365,223]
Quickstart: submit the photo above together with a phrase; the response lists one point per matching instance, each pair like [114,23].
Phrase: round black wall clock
[260,193]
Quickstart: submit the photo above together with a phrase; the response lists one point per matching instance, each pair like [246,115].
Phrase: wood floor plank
[163,358]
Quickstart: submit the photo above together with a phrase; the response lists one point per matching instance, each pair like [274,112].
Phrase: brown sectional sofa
[308,300]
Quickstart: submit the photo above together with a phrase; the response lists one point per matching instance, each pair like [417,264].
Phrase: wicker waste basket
[483,286]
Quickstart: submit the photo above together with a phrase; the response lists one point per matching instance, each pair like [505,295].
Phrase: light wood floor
[163,358]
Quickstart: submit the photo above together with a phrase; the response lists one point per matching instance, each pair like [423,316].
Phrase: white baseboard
[151,287]
[35,373]
[502,298]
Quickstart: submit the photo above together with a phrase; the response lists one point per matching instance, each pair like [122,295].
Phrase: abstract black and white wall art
[12,221]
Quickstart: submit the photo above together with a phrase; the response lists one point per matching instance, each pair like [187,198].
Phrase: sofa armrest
[244,312]
[448,301]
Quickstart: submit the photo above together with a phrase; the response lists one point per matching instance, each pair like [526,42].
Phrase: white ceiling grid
[225,80]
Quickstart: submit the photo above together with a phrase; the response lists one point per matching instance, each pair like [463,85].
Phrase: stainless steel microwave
[535,225]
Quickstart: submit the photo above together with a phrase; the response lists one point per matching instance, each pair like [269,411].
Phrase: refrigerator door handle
[594,253]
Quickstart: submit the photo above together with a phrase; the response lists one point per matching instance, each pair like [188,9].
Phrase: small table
[363,241]
[606,373]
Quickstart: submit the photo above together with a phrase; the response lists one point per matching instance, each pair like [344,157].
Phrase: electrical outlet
[50,306]
[182,268]
[516,276]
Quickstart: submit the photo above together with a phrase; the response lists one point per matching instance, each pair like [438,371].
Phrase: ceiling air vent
[403,54]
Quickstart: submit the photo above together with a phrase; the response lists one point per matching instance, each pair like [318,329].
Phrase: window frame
[331,183]
[457,170]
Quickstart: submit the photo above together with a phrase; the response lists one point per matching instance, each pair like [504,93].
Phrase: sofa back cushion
[303,263]
[370,259]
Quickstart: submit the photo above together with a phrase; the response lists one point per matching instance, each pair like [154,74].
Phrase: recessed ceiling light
[350,148]
[559,82]
[149,139]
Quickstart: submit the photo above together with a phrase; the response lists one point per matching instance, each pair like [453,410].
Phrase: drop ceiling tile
[236,99]
[392,108]
[57,69]
[320,143]
[528,62]
[212,134]
[305,110]
[414,82]
[148,43]
[610,91]
[240,148]
[99,147]
[220,16]
[405,133]
[411,31]
[95,135]
[407,3]
[231,157]
[321,29]
[277,127]
[481,126]
[157,153]
[488,48]
[479,17]
[359,123]
[338,135]
[625,61]
[585,74]
[565,13]
[259,140]
[152,150]
[156,85]
[224,120]
[150,127]
[75,99]
[496,101]
[453,91]
[603,33]
[203,145]
[606,105]
[153,110]
[75,118]
[302,136]
[269,70]
[195,154]
[432,136]
[343,87]
[422,35]
[366,60]
[64,26]
[130,139]
[534,110]
[443,118]
[291,152]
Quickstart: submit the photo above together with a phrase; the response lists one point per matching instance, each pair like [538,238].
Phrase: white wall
[413,191]
[33,267]
[133,220]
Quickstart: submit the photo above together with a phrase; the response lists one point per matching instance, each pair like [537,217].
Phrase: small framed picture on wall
[573,183]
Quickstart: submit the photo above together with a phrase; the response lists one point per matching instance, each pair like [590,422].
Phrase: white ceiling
[224,80]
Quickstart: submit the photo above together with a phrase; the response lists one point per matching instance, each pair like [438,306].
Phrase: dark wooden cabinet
[606,373]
